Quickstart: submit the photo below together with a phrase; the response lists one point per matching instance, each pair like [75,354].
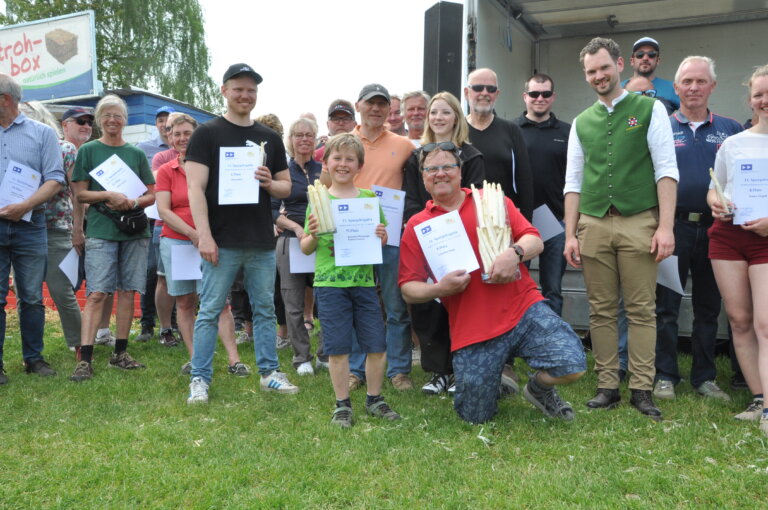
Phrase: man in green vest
[620,192]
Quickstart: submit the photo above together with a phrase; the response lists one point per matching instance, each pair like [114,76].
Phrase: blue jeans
[24,245]
[148,309]
[551,270]
[259,281]
[398,323]
[691,248]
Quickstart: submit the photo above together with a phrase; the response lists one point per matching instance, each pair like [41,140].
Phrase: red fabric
[483,311]
[172,178]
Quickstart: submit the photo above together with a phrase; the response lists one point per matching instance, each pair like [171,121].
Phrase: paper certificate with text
[115,175]
[392,203]
[237,175]
[750,189]
[355,242]
[20,183]
[446,245]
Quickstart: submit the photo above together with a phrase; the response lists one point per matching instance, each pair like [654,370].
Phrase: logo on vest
[632,121]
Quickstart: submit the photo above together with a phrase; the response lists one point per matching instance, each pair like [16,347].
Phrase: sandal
[310,325]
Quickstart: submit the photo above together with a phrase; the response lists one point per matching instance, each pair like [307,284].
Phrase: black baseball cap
[372,90]
[238,69]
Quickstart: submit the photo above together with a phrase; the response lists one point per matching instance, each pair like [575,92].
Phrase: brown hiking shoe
[354,382]
[402,382]
[83,372]
[125,361]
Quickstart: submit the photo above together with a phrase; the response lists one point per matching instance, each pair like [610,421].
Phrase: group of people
[628,182]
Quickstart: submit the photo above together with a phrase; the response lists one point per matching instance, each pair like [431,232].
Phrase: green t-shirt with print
[91,155]
[327,273]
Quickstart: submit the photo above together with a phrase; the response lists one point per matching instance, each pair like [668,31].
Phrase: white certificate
[298,262]
[237,180]
[546,223]
[152,212]
[750,189]
[115,175]
[355,242]
[20,183]
[69,266]
[446,245]
[392,203]
[668,275]
[185,262]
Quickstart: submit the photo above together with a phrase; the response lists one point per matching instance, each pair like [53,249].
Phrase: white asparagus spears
[719,191]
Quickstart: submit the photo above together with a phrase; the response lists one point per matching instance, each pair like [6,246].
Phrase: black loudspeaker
[442,48]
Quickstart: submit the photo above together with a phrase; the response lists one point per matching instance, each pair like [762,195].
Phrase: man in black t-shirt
[500,141]
[233,232]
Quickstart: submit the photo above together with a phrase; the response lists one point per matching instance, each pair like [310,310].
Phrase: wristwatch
[519,250]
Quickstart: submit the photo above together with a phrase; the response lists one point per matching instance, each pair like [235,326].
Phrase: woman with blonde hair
[739,252]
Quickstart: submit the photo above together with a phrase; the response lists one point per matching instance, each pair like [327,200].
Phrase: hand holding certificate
[237,182]
[20,183]
[115,175]
[356,241]
[446,245]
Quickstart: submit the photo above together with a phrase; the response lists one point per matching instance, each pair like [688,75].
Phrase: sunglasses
[443,146]
[479,88]
[83,122]
[546,94]
[648,93]
[651,54]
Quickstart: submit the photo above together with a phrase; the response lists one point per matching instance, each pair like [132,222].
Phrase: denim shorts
[175,287]
[348,310]
[115,265]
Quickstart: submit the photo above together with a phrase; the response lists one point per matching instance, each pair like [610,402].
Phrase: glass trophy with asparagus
[493,231]
[320,201]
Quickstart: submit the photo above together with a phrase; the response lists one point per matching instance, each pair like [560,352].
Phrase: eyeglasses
[546,94]
[443,146]
[432,170]
[83,122]
[642,53]
[340,120]
[649,92]
[479,88]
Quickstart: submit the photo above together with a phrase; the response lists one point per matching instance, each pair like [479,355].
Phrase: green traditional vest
[618,169]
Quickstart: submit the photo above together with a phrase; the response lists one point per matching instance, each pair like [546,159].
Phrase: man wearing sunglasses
[646,56]
[500,141]
[547,140]
[77,126]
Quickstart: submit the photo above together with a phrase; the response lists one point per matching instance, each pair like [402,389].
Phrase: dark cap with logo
[646,41]
[372,90]
[238,69]
[76,113]
[339,107]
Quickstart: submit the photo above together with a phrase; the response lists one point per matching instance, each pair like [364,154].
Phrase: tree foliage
[158,45]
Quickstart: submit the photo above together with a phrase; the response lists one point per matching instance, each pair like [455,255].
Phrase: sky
[311,52]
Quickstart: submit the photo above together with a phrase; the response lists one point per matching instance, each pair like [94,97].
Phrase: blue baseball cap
[164,109]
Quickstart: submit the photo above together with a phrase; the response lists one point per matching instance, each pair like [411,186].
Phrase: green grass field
[129,440]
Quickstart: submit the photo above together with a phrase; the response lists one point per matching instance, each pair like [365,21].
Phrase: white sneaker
[281,342]
[198,391]
[241,337]
[305,369]
[277,381]
[753,412]
[104,337]
[319,364]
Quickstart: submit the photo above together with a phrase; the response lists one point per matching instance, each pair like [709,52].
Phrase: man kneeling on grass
[346,297]
[490,320]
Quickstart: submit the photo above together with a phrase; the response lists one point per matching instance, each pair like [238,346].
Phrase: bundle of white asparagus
[321,206]
[493,229]
[719,192]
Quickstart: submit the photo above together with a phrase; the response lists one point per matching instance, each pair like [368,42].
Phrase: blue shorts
[115,265]
[347,311]
[544,340]
[175,287]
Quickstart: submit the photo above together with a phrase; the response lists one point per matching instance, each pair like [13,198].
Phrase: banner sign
[51,58]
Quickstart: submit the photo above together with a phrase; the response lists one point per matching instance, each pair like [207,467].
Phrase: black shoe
[643,402]
[549,403]
[738,382]
[3,377]
[39,367]
[604,399]
[147,332]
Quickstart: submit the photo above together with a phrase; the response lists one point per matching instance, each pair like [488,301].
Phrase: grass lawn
[129,440]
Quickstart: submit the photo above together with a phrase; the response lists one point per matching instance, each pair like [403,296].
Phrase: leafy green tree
[157,45]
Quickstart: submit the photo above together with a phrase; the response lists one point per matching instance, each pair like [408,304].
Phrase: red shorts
[731,242]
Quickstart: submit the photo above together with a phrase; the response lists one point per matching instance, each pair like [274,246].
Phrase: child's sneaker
[381,409]
[753,412]
[277,381]
[124,360]
[239,369]
[342,417]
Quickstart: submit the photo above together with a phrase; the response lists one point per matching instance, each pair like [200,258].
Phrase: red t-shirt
[484,310]
[172,178]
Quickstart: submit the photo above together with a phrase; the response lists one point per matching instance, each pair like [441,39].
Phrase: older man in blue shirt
[23,243]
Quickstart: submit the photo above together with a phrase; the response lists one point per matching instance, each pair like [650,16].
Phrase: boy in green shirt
[346,296]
